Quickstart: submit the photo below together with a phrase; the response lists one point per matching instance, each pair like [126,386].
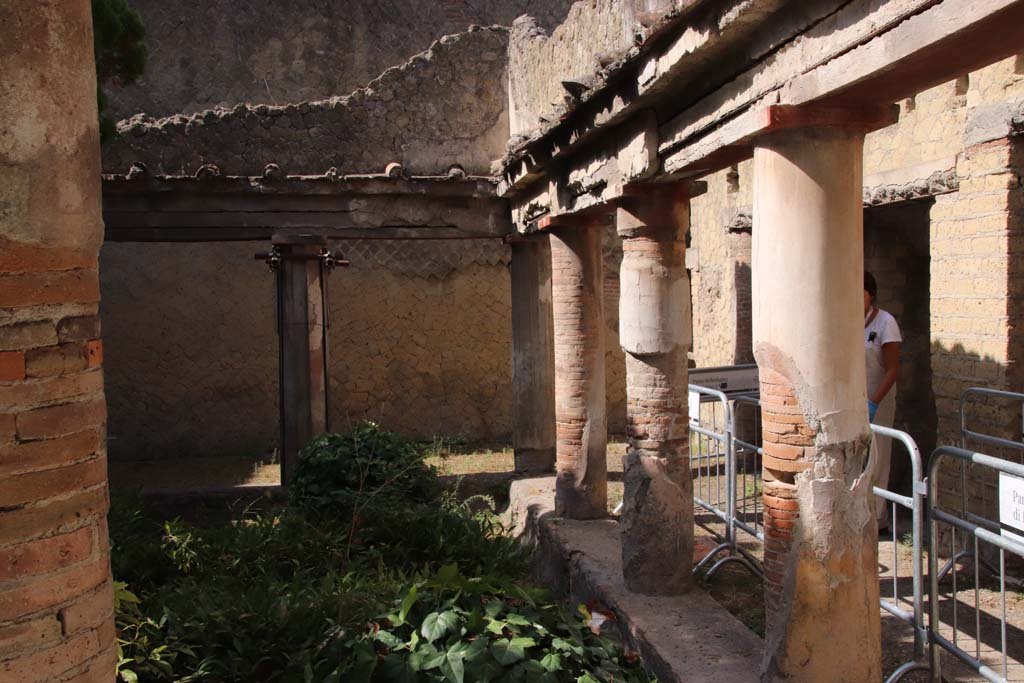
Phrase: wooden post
[302,353]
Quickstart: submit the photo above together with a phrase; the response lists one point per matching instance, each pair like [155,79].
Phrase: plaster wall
[220,52]
[419,342]
[444,106]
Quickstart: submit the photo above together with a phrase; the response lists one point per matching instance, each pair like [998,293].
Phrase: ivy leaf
[398,668]
[508,652]
[448,575]
[439,624]
[452,668]
[517,619]
[552,662]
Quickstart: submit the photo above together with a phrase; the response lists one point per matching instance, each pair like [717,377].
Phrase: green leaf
[453,668]
[508,652]
[552,662]
[398,668]
[439,624]
[407,603]
[129,676]
[448,575]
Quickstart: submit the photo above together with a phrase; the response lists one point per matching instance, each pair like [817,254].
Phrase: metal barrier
[720,452]
[966,436]
[713,460]
[978,530]
[915,503]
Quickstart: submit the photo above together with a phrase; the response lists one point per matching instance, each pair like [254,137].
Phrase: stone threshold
[687,638]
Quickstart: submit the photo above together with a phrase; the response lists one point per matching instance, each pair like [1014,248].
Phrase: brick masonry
[56,604]
[580,426]
[789,448]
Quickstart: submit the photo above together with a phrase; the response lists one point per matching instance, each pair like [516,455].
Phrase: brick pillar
[581,485]
[654,332]
[821,545]
[56,603]
[533,356]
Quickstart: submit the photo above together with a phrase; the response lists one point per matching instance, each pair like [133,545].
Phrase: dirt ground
[732,584]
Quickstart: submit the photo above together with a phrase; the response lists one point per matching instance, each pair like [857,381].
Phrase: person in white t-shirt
[882,341]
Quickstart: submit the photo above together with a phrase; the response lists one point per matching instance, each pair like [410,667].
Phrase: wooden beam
[302,350]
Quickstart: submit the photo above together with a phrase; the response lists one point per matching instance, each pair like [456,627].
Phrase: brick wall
[56,604]
[977,235]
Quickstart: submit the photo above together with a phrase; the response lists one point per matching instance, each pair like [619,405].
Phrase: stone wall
[593,32]
[220,52]
[419,341]
[444,106]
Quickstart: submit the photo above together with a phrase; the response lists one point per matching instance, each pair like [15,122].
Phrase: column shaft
[581,487]
[654,331]
[56,593]
[533,356]
[821,546]
[303,391]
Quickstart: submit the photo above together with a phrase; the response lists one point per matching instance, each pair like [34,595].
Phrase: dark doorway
[896,251]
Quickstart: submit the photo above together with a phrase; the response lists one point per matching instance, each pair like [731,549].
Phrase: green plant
[368,467]
[119,49]
[451,628]
[298,595]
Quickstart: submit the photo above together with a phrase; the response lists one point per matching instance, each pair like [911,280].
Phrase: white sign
[1011,506]
[694,403]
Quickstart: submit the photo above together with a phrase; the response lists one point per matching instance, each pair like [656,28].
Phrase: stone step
[687,638]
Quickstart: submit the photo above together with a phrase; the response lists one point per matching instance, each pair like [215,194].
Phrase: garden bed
[374,571]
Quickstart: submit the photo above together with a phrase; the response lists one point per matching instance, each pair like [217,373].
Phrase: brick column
[581,485]
[821,545]
[56,602]
[654,331]
[533,357]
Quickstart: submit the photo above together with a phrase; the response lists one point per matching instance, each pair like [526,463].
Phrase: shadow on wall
[191,349]
[954,370]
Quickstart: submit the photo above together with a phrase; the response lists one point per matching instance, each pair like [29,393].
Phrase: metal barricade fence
[898,601]
[717,451]
[713,463]
[967,437]
[978,530]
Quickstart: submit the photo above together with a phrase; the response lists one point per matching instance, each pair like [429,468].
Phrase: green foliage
[451,628]
[119,49]
[368,467]
[315,594]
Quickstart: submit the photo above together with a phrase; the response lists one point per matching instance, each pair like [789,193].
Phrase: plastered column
[533,358]
[654,331]
[581,484]
[821,545]
[56,596]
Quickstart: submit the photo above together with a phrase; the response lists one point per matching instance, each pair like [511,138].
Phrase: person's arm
[891,362]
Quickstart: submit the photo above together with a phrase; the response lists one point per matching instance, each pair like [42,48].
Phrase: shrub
[373,573]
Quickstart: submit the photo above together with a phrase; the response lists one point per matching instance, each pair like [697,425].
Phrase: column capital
[857,120]
[674,189]
[656,210]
